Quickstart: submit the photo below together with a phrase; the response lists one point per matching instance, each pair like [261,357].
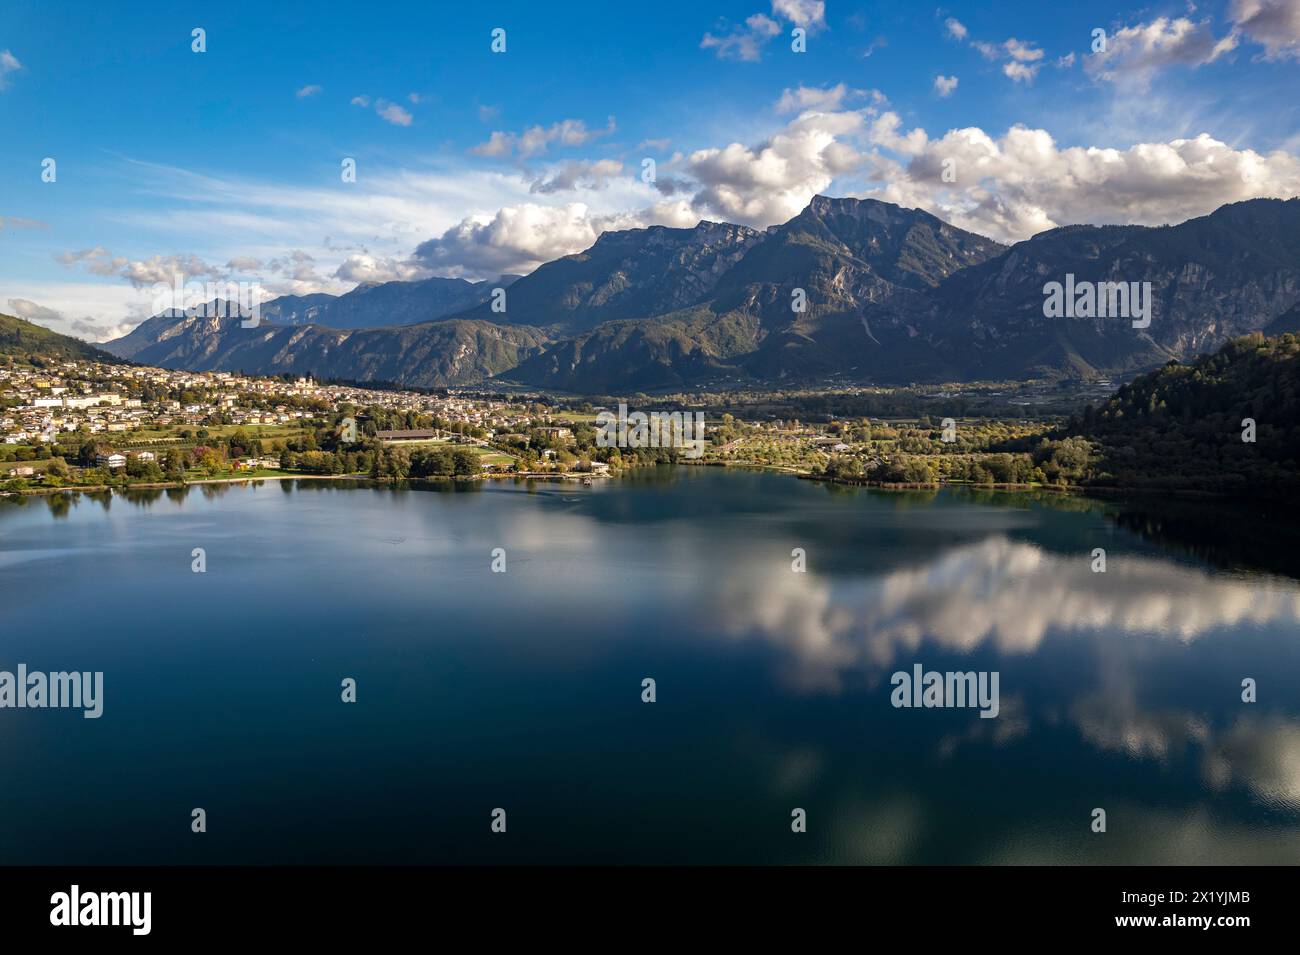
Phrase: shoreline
[379,482]
[1069,489]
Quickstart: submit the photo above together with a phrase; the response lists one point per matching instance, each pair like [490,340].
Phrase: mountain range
[849,290]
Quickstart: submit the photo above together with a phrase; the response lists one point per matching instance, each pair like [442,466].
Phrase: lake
[476,690]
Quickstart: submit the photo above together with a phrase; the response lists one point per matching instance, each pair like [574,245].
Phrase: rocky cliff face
[634,273]
[1211,278]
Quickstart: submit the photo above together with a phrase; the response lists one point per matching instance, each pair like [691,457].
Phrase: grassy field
[423,443]
[168,437]
[486,455]
[576,417]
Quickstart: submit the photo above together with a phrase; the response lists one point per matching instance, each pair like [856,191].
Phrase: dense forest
[1227,422]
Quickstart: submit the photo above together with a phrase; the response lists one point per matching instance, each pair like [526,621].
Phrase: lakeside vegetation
[1179,428]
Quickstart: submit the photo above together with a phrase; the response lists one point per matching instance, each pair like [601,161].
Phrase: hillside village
[54,414]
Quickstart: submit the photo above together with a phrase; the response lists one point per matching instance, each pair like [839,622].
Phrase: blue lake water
[523,690]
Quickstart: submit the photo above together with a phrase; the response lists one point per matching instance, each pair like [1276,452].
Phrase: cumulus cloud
[8,64]
[956,29]
[743,42]
[537,139]
[1022,183]
[364,267]
[516,239]
[1008,187]
[884,131]
[309,90]
[944,85]
[773,180]
[1133,54]
[1274,24]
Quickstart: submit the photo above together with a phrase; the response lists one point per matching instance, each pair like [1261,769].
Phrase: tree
[464,462]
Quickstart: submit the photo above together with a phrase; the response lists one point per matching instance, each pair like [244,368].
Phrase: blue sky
[226,163]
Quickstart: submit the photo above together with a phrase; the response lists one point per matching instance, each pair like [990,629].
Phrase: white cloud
[1022,183]
[809,14]
[1022,59]
[537,139]
[498,144]
[956,29]
[309,90]
[8,64]
[578,174]
[1275,24]
[141,272]
[363,267]
[743,43]
[392,113]
[388,112]
[1133,54]
[772,181]
[944,85]
[884,132]
[516,239]
[1022,51]
[812,97]
[1020,72]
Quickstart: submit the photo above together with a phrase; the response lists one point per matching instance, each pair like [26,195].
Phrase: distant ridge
[888,294]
